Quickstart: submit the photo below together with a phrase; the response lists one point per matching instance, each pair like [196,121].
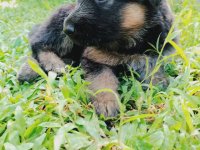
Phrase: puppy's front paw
[57,67]
[49,61]
[106,104]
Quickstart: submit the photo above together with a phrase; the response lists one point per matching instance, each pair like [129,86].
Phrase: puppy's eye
[101,1]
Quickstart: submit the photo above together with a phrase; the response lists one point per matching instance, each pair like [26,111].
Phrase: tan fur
[51,62]
[111,58]
[102,57]
[104,102]
[105,79]
[133,16]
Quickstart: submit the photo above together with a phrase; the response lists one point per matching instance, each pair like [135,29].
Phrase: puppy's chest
[110,58]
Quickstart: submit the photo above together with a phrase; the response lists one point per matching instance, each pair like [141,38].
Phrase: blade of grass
[180,52]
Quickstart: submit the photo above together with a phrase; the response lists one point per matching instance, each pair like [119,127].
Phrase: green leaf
[156,139]
[20,120]
[78,141]
[31,129]
[9,146]
[138,117]
[61,135]
[25,146]
[59,138]
[50,125]
[187,116]
[2,140]
[51,77]
[95,131]
[37,69]
[38,142]
[180,51]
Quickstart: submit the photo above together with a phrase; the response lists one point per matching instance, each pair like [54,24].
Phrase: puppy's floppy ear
[155,3]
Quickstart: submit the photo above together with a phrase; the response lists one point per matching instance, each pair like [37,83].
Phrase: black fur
[49,36]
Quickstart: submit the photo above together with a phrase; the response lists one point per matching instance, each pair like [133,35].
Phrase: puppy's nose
[69,29]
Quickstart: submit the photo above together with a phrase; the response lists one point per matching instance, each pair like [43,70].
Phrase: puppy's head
[99,22]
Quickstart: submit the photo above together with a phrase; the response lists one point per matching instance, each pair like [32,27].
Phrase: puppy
[107,34]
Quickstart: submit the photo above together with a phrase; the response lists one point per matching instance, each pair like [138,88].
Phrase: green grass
[56,114]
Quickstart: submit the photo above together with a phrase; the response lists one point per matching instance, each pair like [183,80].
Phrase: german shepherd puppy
[103,35]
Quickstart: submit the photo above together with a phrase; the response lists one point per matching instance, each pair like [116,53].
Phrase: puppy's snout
[69,28]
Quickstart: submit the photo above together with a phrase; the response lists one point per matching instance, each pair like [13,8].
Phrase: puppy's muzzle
[69,28]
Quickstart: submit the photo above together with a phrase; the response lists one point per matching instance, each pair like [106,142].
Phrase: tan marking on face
[133,16]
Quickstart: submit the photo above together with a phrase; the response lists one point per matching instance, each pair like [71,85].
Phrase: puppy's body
[106,34]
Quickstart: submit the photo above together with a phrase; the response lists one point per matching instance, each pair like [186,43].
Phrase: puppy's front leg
[102,77]
[45,59]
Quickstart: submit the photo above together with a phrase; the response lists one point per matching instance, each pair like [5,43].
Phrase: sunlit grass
[57,114]
[8,4]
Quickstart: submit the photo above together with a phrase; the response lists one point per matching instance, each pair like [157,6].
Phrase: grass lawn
[56,114]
